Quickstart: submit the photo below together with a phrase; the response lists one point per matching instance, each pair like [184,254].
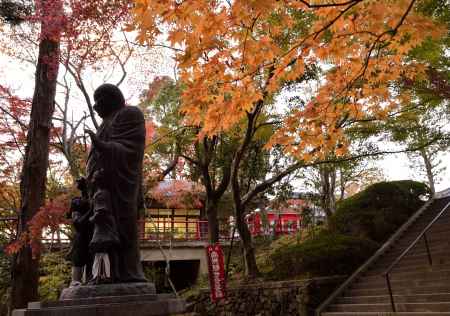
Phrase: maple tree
[235,56]
[24,269]
[92,42]
[13,127]
[83,37]
[177,194]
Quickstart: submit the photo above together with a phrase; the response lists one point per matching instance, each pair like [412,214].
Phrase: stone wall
[298,297]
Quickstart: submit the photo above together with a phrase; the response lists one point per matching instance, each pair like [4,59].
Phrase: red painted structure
[280,223]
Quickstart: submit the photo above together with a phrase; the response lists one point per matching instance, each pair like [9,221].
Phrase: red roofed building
[278,219]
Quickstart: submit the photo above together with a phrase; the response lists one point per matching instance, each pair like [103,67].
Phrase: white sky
[396,167]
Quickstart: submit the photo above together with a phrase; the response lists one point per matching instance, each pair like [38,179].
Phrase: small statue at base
[105,240]
[79,253]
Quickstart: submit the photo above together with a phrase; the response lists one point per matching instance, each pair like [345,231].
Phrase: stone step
[97,300]
[439,250]
[423,221]
[400,284]
[418,288]
[440,226]
[419,249]
[401,307]
[410,275]
[427,218]
[420,267]
[437,237]
[383,290]
[436,257]
[137,308]
[435,297]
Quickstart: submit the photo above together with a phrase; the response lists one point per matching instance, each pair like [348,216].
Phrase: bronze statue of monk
[117,151]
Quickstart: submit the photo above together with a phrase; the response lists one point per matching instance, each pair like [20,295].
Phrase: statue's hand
[91,135]
[81,184]
[100,145]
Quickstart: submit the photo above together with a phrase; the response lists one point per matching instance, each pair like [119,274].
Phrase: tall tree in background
[334,181]
[424,121]
[25,266]
[423,126]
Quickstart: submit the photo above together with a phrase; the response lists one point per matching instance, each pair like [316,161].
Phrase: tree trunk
[213,224]
[328,185]
[429,169]
[251,268]
[25,265]
[239,207]
[342,184]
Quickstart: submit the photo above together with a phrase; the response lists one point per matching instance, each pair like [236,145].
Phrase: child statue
[105,240]
[79,253]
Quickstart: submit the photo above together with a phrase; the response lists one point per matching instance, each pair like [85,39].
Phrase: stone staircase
[417,287]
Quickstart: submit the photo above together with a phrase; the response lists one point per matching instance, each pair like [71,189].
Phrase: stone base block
[103,290]
[118,299]
[128,305]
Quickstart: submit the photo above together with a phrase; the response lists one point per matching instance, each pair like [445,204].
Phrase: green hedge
[377,212]
[325,254]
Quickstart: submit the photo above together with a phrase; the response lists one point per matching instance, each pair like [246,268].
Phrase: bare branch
[327,5]
[16,119]
[122,63]
[170,167]
[80,85]
[191,160]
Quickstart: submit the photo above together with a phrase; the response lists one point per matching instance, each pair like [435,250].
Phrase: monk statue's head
[108,99]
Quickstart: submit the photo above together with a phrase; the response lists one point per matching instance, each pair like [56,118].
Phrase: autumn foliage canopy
[234,55]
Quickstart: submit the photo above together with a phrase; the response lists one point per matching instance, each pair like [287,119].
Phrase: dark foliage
[5,277]
[14,12]
[377,212]
[325,254]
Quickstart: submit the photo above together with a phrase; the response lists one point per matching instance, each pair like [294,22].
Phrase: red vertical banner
[216,272]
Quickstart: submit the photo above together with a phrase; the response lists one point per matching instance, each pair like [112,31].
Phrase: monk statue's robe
[123,134]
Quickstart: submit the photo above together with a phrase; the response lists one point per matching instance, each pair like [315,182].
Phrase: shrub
[55,275]
[5,278]
[377,212]
[325,254]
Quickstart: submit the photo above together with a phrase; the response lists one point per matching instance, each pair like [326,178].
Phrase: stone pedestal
[104,290]
[122,299]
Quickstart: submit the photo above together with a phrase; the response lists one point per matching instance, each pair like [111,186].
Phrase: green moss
[325,254]
[377,212]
